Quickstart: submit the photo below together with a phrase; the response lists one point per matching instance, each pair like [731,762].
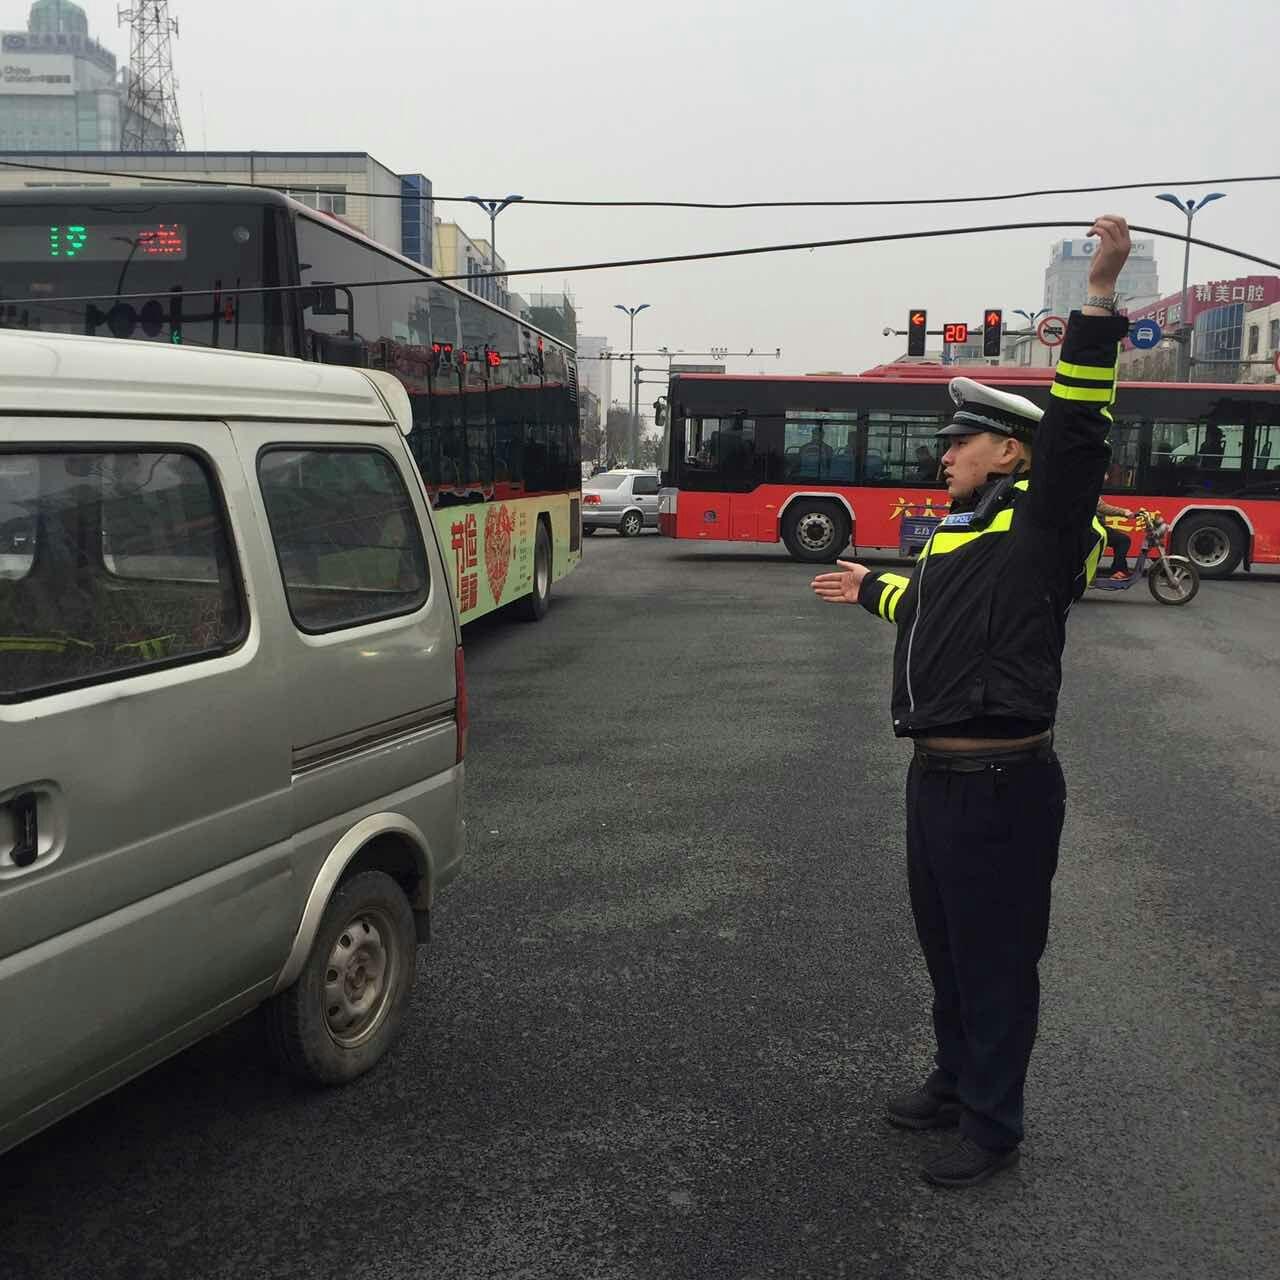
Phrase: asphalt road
[664,1002]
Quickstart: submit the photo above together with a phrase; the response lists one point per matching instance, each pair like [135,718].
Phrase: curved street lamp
[1189,208]
[633,391]
[493,208]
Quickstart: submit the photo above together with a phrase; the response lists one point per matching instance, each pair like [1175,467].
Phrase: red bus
[820,463]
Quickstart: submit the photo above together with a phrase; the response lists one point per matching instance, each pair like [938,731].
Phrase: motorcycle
[1171,579]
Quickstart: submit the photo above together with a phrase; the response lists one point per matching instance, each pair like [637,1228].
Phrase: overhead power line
[883,238]
[894,202]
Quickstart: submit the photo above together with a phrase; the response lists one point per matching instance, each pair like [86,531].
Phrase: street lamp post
[1031,317]
[1189,208]
[633,399]
[493,208]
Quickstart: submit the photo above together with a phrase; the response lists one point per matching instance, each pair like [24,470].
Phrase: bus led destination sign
[85,242]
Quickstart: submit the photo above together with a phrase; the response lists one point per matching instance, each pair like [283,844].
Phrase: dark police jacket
[982,619]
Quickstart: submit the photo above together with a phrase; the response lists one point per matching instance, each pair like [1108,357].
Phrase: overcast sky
[712,99]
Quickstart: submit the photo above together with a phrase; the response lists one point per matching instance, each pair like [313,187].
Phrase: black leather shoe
[967,1164]
[921,1109]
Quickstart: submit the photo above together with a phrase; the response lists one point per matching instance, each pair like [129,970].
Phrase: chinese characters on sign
[1218,291]
[464,540]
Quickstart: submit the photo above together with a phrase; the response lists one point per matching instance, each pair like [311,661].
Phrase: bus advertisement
[820,463]
[494,399]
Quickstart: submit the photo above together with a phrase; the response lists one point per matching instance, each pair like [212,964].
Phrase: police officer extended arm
[1071,451]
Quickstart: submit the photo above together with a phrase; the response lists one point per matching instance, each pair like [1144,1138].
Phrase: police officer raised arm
[981,626]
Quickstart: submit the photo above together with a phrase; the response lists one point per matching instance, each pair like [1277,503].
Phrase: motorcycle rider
[1119,541]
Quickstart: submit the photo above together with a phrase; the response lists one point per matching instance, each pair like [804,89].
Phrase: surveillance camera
[888,333]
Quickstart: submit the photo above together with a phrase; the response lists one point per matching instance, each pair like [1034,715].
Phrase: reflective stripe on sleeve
[1099,395]
[1087,372]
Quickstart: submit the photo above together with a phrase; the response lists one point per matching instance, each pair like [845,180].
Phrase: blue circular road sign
[1145,334]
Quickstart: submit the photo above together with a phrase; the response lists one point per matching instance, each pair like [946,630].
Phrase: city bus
[823,462]
[494,399]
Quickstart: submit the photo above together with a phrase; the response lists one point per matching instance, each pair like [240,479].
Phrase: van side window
[110,562]
[346,536]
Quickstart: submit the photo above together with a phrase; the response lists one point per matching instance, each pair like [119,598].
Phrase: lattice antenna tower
[151,110]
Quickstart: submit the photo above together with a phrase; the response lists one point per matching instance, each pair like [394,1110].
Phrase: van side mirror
[660,412]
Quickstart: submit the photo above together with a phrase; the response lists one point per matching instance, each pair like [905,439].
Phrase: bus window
[819,446]
[1197,457]
[327,256]
[701,442]
[903,449]
[1122,473]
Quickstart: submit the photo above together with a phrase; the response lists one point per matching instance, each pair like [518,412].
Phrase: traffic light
[917,330]
[992,331]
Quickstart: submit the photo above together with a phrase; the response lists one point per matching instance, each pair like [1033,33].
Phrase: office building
[1066,278]
[396,212]
[60,90]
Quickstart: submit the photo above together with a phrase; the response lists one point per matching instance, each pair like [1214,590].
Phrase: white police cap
[980,408]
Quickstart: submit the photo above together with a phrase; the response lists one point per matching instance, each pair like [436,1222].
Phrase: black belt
[933,761]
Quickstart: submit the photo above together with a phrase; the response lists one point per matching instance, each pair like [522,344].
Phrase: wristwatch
[1106,301]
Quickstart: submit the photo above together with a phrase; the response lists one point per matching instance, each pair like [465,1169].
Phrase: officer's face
[969,460]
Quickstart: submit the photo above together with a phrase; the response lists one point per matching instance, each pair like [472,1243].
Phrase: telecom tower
[151,120]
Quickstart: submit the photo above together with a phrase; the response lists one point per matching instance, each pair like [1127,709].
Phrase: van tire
[367,923]
[534,606]
[808,518]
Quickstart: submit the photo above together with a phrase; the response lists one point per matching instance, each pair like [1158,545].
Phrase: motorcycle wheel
[1175,580]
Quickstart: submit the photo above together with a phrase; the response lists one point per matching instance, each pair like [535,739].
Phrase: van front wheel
[349,1003]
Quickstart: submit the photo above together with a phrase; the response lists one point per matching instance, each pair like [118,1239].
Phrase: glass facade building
[415,218]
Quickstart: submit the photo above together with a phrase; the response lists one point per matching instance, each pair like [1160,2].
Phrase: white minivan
[232,713]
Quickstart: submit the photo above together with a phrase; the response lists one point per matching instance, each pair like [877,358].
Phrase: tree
[617,433]
[650,451]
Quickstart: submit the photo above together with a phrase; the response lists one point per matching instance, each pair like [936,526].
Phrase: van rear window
[111,562]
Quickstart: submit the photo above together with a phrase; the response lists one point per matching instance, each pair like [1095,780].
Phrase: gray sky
[711,99]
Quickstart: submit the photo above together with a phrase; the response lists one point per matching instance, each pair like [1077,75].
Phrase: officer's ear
[1012,450]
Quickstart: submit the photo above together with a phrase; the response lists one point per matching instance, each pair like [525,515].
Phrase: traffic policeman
[981,624]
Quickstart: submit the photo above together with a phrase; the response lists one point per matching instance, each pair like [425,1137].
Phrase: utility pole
[151,121]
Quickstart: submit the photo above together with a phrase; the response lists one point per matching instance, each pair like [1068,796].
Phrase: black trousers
[981,852]
[1120,544]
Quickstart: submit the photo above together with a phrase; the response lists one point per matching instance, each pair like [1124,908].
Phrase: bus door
[720,467]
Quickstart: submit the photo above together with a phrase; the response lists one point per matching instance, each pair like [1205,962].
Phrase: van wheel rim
[359,977]
[816,531]
[1209,547]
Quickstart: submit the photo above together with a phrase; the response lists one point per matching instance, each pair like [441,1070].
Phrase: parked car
[232,713]
[625,499]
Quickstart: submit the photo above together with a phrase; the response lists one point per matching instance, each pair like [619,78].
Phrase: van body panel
[193,804]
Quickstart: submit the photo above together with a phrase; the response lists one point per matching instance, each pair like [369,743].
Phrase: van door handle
[26,829]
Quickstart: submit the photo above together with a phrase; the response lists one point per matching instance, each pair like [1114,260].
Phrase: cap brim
[964,429]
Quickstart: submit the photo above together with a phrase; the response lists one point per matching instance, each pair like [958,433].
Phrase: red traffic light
[492,357]
[992,331]
[917,328]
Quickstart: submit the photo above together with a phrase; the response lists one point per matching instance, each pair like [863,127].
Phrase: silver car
[624,499]
[232,713]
